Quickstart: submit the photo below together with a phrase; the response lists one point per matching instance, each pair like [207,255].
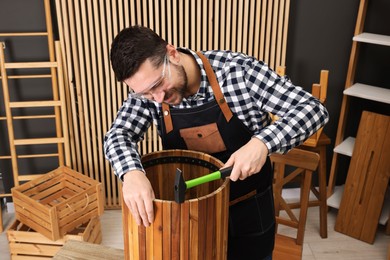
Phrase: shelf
[369,92]
[373,38]
[386,209]
[335,199]
[4,195]
[346,147]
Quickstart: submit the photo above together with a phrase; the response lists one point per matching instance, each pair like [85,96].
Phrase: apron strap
[216,88]
[167,118]
[217,93]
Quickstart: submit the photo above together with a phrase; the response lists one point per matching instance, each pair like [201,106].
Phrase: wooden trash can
[195,229]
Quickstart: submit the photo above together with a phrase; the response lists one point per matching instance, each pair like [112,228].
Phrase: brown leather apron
[212,128]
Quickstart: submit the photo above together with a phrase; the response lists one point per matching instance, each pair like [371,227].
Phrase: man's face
[167,83]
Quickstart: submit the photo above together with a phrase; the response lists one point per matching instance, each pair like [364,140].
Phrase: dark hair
[132,46]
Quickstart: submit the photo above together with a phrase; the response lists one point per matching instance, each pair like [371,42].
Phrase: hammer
[181,186]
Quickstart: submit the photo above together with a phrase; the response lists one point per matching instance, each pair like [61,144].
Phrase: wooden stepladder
[58,103]
[19,111]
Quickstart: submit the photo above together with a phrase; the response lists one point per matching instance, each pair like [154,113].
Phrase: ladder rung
[23,34]
[42,155]
[33,117]
[48,103]
[53,140]
[5,195]
[29,156]
[37,76]
[30,65]
[29,117]
[29,177]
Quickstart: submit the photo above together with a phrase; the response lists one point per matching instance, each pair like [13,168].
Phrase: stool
[321,193]
[317,143]
[289,246]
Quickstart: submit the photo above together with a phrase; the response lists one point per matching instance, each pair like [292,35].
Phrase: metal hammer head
[180,187]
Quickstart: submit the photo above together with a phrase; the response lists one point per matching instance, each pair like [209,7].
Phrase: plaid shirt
[251,90]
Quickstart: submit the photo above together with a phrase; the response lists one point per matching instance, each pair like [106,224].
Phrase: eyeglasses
[148,92]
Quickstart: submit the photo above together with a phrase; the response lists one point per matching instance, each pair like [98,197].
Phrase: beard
[181,89]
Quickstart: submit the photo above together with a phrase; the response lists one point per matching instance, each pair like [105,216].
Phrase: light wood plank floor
[336,247]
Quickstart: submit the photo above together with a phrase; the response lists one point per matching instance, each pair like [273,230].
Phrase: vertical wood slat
[54,80]
[184,230]
[74,139]
[84,104]
[90,126]
[64,131]
[87,28]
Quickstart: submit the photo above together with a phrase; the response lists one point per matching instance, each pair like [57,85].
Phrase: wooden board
[79,250]
[367,179]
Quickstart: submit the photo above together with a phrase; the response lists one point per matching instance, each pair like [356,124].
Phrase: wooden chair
[303,163]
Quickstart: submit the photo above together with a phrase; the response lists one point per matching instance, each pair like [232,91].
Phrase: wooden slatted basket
[25,243]
[58,202]
[195,229]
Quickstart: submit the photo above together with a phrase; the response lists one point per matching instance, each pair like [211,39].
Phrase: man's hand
[138,195]
[247,160]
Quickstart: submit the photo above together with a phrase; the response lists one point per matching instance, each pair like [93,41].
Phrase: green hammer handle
[223,173]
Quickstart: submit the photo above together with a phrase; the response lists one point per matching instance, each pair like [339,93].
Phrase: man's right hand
[138,195]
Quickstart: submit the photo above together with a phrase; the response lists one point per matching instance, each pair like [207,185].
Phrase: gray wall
[320,34]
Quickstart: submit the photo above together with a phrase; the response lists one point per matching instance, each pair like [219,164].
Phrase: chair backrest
[302,163]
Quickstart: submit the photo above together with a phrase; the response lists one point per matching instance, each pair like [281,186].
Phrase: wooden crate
[58,202]
[25,243]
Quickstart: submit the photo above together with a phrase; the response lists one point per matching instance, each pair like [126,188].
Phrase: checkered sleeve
[300,114]
[120,142]
[253,90]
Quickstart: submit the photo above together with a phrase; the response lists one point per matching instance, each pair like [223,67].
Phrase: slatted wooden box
[58,202]
[25,243]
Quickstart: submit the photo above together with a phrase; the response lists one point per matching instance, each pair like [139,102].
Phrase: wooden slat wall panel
[87,28]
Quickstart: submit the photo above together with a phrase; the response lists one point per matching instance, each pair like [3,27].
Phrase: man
[225,95]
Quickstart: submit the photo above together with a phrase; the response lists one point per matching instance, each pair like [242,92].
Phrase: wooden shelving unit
[344,145]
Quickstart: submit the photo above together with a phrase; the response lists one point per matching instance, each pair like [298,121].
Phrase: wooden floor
[336,247]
